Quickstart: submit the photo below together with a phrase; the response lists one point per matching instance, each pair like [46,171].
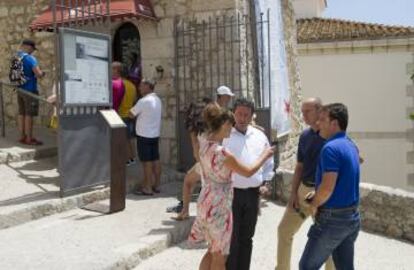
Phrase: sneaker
[176,209]
[130,162]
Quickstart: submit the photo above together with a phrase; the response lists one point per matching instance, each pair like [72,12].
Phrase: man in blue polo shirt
[335,203]
[28,106]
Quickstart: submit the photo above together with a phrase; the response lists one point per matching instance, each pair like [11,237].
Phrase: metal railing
[16,89]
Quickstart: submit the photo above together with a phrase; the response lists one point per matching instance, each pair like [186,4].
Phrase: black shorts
[28,106]
[147,149]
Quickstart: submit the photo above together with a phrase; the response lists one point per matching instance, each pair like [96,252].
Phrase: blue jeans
[334,232]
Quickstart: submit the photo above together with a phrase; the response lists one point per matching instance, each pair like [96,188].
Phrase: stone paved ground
[80,239]
[373,252]
[25,181]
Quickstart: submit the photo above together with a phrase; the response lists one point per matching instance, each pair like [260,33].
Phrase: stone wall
[288,145]
[384,210]
[15,17]
[157,49]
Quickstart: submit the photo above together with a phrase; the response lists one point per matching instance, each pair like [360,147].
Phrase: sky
[392,12]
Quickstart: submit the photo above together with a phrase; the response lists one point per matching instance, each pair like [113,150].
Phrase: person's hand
[308,200]
[309,197]
[313,210]
[293,201]
[265,190]
[51,99]
[269,152]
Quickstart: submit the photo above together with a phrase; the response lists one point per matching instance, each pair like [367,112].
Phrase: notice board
[85,68]
[85,88]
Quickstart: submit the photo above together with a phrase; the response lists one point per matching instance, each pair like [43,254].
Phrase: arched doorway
[127,50]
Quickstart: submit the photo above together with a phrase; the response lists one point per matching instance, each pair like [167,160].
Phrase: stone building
[152,25]
[368,67]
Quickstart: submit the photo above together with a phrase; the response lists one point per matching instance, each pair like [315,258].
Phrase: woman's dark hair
[215,116]
[194,116]
[339,112]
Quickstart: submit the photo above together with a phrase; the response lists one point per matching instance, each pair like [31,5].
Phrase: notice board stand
[118,141]
[84,88]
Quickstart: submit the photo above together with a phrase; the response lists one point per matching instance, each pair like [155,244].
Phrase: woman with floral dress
[214,221]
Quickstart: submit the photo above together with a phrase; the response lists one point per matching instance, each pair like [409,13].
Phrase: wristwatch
[267,183]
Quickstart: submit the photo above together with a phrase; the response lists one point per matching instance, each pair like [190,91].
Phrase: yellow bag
[53,122]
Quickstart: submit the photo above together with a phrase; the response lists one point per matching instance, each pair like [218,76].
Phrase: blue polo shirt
[340,155]
[310,145]
[29,62]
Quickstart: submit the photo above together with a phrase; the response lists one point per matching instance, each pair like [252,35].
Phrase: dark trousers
[245,211]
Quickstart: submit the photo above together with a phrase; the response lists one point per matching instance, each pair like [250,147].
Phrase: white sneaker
[130,162]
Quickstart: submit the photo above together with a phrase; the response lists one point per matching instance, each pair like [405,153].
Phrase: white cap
[224,90]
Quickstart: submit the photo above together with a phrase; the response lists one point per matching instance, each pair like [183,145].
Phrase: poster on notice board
[85,72]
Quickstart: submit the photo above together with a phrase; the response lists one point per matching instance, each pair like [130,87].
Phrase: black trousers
[245,211]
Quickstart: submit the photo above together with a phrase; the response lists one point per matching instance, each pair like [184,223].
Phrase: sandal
[181,217]
[176,208]
[32,141]
[22,140]
[143,193]
[156,190]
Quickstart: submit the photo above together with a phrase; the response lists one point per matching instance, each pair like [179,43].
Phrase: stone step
[23,154]
[13,151]
[80,239]
[30,191]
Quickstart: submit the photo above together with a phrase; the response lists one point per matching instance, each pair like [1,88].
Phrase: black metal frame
[208,53]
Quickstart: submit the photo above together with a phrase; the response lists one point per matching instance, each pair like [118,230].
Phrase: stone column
[289,145]
[410,132]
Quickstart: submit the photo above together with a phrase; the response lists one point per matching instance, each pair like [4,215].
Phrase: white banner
[277,95]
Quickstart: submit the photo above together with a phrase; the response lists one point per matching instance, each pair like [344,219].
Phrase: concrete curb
[27,154]
[151,245]
[59,205]
[50,207]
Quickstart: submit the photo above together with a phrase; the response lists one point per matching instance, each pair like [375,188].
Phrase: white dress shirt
[148,113]
[247,148]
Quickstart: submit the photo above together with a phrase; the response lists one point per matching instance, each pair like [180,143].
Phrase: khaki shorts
[28,106]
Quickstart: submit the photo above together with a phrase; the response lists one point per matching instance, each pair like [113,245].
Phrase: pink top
[214,221]
[118,91]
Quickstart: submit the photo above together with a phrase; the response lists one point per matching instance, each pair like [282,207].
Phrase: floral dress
[214,221]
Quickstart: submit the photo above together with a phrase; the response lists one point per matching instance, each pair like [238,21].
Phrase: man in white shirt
[148,127]
[246,143]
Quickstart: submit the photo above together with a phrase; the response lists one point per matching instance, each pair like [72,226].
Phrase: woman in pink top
[214,221]
[118,88]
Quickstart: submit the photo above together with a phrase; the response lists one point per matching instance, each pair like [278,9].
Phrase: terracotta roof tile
[328,30]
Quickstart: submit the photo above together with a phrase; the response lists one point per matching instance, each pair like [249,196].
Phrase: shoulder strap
[22,57]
